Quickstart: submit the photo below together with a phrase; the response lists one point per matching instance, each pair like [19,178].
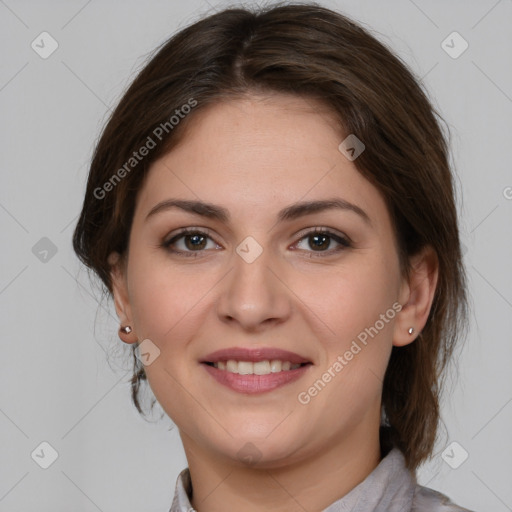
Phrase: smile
[256,368]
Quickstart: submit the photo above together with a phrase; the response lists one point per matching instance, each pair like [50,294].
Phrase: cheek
[166,303]
[351,297]
[164,298]
[356,303]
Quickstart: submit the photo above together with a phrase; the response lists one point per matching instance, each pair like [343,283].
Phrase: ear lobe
[120,295]
[417,295]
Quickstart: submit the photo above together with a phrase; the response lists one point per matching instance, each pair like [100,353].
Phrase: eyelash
[343,241]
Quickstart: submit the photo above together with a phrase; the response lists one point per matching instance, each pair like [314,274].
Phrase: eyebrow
[291,212]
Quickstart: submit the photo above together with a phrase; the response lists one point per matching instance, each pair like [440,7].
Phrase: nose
[254,294]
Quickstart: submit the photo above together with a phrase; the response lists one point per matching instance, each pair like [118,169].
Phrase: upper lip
[254,355]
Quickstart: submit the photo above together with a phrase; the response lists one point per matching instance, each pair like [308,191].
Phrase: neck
[313,483]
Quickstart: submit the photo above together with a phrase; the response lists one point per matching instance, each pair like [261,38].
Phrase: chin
[262,452]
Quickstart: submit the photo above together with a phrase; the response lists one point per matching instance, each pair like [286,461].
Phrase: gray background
[64,372]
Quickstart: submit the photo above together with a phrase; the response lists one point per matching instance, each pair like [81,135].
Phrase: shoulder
[429,500]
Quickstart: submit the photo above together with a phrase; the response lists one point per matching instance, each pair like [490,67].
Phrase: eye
[189,241]
[320,239]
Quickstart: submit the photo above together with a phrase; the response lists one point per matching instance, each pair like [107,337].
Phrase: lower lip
[252,384]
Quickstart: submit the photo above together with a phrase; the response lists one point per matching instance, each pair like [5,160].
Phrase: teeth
[232,366]
[275,366]
[258,368]
[245,367]
[261,367]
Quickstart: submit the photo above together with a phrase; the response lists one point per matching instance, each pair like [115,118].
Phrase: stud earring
[125,330]
[411,330]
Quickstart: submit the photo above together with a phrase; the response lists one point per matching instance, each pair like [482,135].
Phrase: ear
[416,296]
[120,294]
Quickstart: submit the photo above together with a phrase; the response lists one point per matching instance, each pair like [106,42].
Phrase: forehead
[261,151]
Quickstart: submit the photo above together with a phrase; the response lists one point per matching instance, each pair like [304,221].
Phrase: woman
[272,209]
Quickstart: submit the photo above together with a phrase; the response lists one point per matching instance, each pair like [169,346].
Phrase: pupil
[196,241]
[316,238]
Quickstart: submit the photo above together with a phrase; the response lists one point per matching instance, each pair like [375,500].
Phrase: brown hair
[311,51]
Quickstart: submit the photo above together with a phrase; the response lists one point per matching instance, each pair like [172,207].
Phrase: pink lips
[253,384]
[254,355]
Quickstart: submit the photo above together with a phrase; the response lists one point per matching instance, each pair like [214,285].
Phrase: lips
[245,370]
[254,355]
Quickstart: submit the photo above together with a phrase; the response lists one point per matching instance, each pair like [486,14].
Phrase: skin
[255,156]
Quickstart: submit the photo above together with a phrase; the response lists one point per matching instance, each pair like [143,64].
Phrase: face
[303,302]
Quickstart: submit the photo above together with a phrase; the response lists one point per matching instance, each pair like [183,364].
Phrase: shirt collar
[388,488]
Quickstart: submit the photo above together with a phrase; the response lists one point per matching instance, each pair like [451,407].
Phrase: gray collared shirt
[390,487]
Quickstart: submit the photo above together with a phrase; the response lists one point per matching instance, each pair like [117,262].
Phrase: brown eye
[320,241]
[194,242]
[189,241]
